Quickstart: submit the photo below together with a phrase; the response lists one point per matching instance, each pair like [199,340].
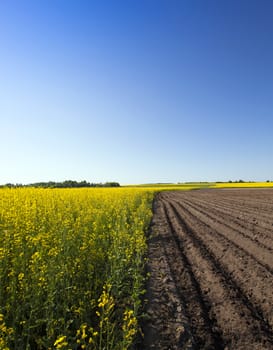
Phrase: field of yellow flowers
[71,272]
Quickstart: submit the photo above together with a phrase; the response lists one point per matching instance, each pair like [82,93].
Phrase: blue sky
[136,91]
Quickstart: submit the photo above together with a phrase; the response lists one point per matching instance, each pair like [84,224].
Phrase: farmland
[72,272]
[211,266]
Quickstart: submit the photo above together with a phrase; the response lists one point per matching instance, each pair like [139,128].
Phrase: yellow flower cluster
[61,342]
[5,333]
[129,326]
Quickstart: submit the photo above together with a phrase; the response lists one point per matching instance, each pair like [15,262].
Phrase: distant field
[242,185]
[173,187]
[200,185]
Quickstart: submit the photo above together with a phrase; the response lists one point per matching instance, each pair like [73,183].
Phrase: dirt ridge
[211,282]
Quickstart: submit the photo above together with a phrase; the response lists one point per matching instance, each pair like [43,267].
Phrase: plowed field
[211,266]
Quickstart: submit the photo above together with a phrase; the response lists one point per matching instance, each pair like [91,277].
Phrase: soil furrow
[243,240]
[166,325]
[211,282]
[205,329]
[207,252]
[245,216]
[249,229]
[225,234]
[241,208]
[241,267]
[218,285]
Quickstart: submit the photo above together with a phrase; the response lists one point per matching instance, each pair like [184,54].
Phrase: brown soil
[211,271]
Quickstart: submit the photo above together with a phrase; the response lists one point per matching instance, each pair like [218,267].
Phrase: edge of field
[159,187]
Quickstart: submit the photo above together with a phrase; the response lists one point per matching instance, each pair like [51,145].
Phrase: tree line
[64,184]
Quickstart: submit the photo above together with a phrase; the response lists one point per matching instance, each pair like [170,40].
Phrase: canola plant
[71,267]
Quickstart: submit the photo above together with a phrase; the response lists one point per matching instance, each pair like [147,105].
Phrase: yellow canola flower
[129,326]
[21,276]
[61,342]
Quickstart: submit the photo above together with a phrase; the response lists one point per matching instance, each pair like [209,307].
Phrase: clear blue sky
[136,91]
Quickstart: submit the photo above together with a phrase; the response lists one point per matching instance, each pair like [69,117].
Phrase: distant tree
[9,185]
[64,184]
[111,184]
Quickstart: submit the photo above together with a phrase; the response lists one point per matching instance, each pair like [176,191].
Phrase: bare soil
[211,271]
